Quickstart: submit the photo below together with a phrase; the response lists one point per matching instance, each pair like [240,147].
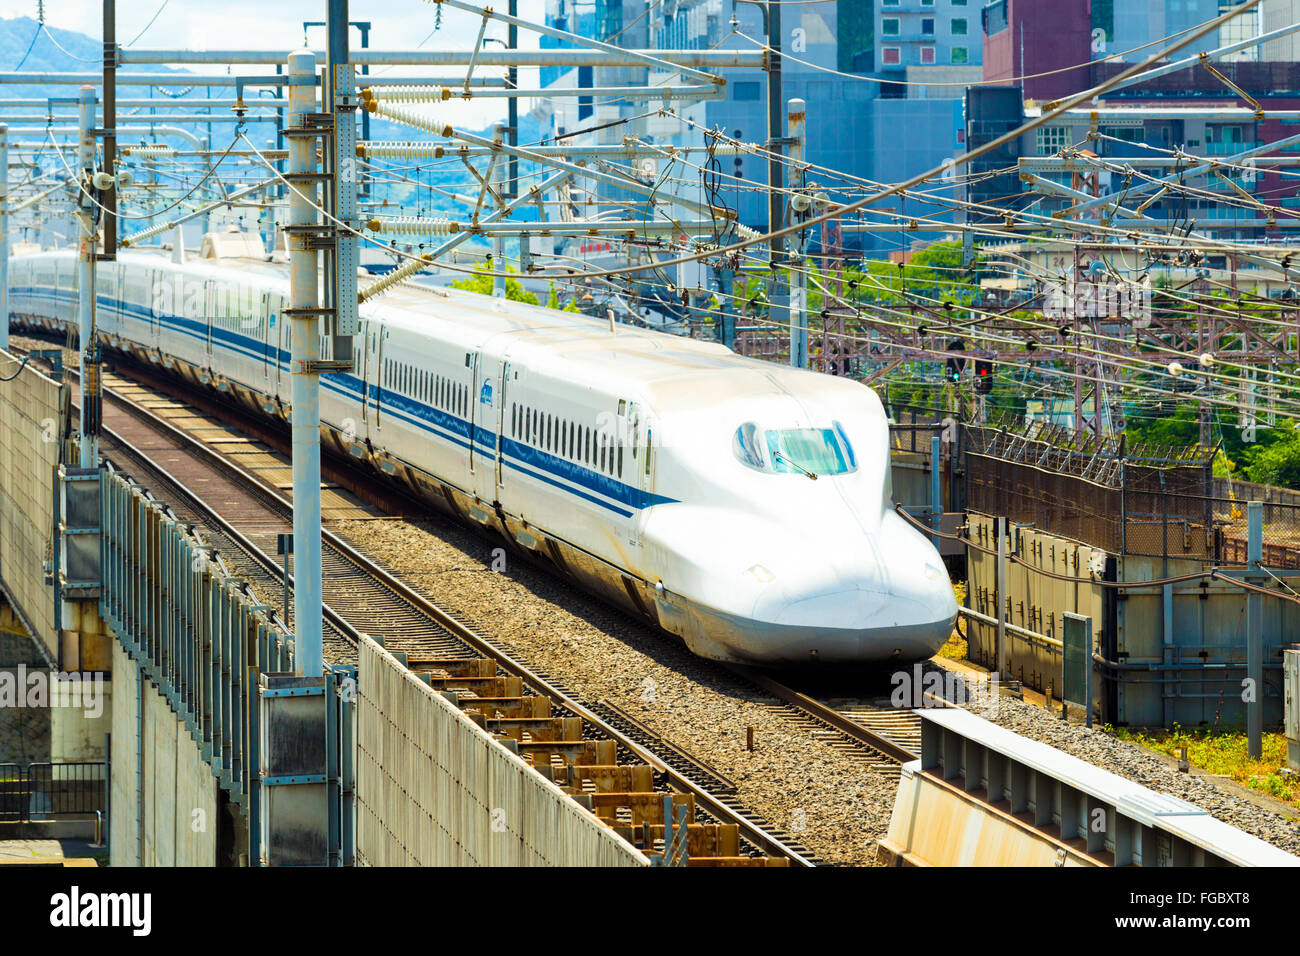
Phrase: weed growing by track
[1223,751]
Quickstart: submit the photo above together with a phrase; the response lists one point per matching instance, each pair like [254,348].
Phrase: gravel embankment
[832,802]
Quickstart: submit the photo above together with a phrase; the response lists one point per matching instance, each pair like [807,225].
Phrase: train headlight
[760,574]
[934,574]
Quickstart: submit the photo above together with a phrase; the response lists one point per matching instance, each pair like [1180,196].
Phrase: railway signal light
[955,366]
[983,377]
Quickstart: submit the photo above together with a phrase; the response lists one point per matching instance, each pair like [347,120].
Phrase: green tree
[1278,464]
[482,284]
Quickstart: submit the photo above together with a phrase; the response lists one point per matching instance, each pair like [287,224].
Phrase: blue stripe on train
[520,457]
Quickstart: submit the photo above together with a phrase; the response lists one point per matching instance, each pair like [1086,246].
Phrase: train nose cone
[905,614]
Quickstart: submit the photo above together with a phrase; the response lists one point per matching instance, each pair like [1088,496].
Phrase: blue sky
[259,24]
[277,25]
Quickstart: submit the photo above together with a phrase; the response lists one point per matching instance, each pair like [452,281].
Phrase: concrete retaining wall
[434,789]
[168,817]
[31,405]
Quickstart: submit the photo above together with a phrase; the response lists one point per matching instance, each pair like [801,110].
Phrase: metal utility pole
[88,247]
[512,105]
[777,295]
[796,129]
[346,258]
[499,244]
[304,357]
[109,196]
[4,237]
[1255,632]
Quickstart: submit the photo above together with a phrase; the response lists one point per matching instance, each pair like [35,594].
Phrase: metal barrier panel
[31,406]
[434,789]
[1180,648]
[198,640]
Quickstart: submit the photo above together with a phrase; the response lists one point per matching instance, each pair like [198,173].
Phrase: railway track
[244,512]
[249,510]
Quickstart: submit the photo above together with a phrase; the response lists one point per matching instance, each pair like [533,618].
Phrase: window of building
[890,55]
[889,3]
[889,26]
[927,26]
[1052,139]
[1129,134]
[995,17]
[746,92]
[927,3]
[927,54]
[958,26]
[959,3]
[959,55]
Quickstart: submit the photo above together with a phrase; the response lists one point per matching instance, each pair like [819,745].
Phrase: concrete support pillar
[304,356]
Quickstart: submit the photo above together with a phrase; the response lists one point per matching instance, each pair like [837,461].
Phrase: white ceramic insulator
[415,226]
[411,94]
[734,149]
[399,114]
[400,274]
[138,237]
[396,150]
[148,150]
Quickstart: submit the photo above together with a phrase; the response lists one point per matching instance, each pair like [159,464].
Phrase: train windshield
[808,451]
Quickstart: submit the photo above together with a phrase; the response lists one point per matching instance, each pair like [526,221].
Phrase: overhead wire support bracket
[1204,59]
[478,45]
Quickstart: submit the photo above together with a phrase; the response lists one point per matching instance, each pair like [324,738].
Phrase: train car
[742,506]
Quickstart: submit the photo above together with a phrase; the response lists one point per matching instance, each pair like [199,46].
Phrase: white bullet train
[741,505]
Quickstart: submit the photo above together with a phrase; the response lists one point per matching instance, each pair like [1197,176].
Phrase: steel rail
[827,715]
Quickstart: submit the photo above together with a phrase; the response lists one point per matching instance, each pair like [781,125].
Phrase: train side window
[513,412]
[620,459]
[587,444]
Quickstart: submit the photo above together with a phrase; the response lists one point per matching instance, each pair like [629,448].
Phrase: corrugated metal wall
[29,451]
[177,794]
[1179,656]
[433,789]
[1034,602]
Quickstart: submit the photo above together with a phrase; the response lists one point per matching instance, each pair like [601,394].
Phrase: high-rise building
[830,59]
[1046,44]
[1158,124]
